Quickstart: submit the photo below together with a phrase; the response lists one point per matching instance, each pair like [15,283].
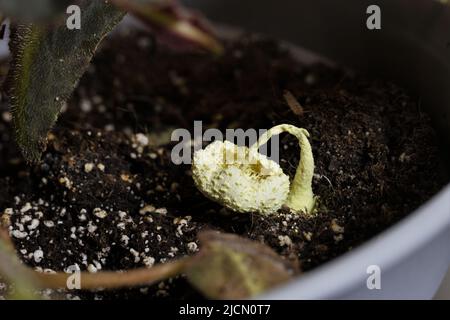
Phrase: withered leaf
[46,65]
[231,267]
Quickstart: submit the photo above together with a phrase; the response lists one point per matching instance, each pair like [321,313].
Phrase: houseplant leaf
[174,24]
[46,65]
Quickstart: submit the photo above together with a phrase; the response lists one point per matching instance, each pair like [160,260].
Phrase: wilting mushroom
[244,180]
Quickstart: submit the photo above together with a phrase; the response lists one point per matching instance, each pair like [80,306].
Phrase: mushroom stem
[300,197]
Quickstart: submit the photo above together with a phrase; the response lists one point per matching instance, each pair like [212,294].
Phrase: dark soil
[103,199]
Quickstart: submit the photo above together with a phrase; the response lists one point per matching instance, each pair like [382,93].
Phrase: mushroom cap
[240,178]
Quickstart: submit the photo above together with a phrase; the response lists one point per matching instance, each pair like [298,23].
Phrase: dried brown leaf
[232,267]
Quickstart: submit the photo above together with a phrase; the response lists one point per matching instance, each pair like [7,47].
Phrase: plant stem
[27,281]
[114,280]
[14,272]
[301,196]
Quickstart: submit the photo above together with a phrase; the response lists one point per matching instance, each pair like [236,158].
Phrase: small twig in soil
[321,176]
[293,103]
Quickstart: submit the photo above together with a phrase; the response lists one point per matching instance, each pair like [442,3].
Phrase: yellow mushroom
[244,180]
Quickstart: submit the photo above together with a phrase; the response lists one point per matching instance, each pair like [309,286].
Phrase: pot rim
[344,272]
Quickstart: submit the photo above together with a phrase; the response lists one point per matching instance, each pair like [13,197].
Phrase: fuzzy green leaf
[47,64]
